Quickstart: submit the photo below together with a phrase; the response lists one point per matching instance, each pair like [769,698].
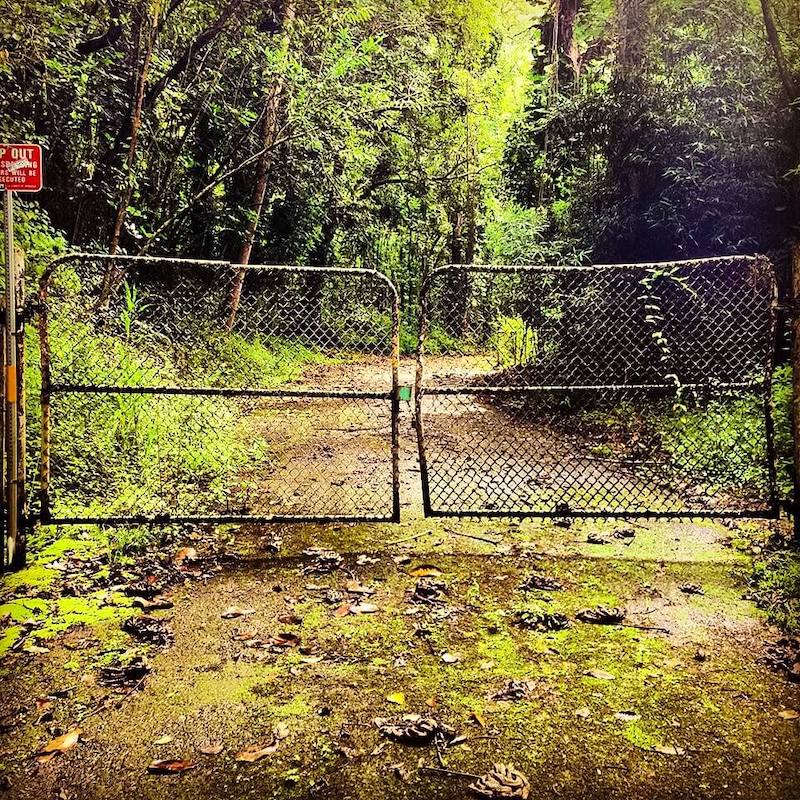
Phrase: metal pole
[796,389]
[12,507]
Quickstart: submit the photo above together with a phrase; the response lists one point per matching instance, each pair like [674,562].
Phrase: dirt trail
[676,703]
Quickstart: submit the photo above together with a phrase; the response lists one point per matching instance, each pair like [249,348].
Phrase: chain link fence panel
[188,390]
[607,390]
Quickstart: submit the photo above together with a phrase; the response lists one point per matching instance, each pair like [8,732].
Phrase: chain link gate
[618,390]
[189,390]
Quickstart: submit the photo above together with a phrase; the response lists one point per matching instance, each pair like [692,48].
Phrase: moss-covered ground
[683,708]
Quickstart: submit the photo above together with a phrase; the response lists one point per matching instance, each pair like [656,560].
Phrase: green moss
[639,736]
[25,609]
[37,576]
[8,637]
[298,706]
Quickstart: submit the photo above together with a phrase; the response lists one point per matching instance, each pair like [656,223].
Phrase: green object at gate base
[405,393]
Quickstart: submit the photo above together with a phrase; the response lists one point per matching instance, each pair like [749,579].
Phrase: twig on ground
[474,536]
[450,772]
[410,538]
[644,627]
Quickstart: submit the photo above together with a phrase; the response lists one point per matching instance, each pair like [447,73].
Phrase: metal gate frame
[421,389]
[49,389]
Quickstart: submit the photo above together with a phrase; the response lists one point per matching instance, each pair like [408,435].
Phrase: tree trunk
[269,132]
[147,31]
[146,36]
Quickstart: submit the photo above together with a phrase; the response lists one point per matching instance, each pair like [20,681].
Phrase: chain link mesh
[641,389]
[201,389]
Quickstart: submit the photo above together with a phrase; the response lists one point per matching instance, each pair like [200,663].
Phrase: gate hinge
[28,311]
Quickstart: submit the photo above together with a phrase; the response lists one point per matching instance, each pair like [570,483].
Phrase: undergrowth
[776,588]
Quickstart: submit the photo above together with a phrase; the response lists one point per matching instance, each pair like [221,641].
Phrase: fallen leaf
[62,743]
[185,554]
[397,697]
[163,740]
[356,587]
[479,718]
[234,611]
[627,716]
[311,659]
[425,571]
[363,608]
[156,604]
[583,713]
[602,615]
[343,610]
[450,658]
[668,750]
[600,674]
[255,752]
[170,766]
[789,713]
[211,748]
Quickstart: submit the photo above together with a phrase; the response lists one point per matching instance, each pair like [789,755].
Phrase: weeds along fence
[170,389]
[606,390]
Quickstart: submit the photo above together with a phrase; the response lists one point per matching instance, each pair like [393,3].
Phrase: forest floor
[270,672]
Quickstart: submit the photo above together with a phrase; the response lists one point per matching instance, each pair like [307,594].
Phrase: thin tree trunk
[146,34]
[269,131]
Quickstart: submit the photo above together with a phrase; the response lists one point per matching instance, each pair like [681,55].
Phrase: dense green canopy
[410,132]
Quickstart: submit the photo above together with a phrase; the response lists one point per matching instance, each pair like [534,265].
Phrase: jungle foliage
[407,133]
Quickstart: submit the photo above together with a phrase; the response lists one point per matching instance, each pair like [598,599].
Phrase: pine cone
[152,630]
[542,621]
[428,590]
[501,781]
[542,583]
[513,690]
[602,615]
[415,730]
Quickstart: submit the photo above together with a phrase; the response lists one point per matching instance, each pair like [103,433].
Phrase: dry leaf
[343,610]
[627,716]
[668,750]
[234,611]
[789,713]
[311,659]
[211,748]
[363,608]
[255,752]
[425,571]
[356,587]
[583,713]
[450,658]
[396,697]
[479,718]
[600,674]
[62,743]
[185,554]
[163,740]
[170,766]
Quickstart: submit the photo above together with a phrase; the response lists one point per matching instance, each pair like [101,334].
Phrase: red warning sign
[21,167]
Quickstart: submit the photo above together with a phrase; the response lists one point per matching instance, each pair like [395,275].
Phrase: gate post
[12,557]
[796,389]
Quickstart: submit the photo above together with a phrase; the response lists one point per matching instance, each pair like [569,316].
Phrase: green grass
[125,454]
[776,588]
